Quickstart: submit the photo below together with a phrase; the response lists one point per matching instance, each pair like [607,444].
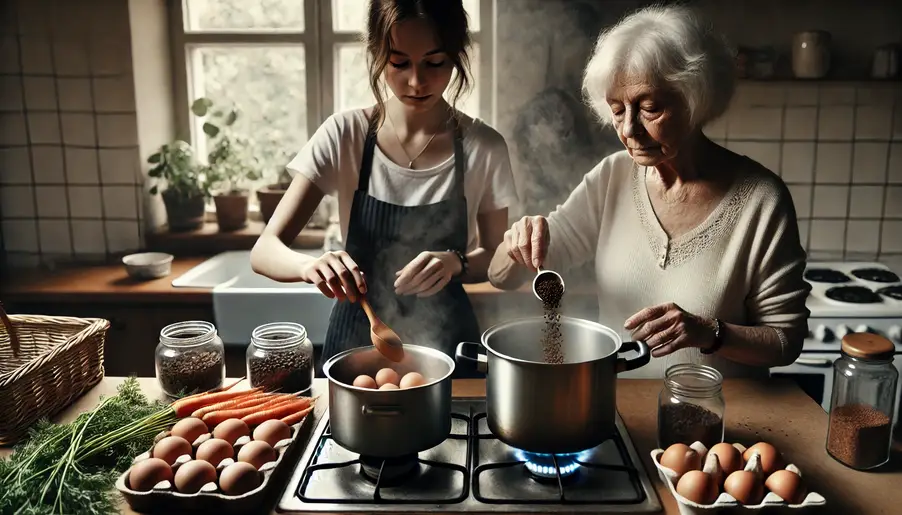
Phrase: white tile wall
[69,163]
[838,147]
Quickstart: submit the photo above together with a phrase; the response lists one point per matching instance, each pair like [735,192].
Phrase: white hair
[665,46]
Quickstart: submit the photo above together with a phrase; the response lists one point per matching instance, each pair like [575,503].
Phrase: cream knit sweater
[743,264]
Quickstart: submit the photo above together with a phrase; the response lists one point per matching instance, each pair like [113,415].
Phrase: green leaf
[154,190]
[231,118]
[155,158]
[200,106]
[210,129]
[156,171]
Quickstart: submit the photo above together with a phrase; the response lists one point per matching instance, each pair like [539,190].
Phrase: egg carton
[164,498]
[725,500]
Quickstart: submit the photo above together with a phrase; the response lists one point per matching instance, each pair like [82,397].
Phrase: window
[287,65]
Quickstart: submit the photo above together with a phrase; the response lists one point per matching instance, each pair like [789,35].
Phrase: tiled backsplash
[70,178]
[838,147]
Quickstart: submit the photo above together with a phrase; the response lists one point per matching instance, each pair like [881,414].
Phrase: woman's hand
[527,241]
[666,328]
[336,275]
[427,274]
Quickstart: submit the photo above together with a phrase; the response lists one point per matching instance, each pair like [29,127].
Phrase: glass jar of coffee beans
[189,359]
[280,357]
[691,406]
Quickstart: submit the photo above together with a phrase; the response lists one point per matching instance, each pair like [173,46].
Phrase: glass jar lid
[867,346]
[278,335]
[693,380]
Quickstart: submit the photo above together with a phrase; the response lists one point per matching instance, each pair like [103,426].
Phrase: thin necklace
[395,130]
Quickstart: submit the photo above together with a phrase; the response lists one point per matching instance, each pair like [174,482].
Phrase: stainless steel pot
[552,408]
[389,423]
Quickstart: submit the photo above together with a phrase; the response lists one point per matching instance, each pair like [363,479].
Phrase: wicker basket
[45,364]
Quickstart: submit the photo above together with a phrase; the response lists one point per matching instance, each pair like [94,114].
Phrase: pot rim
[429,351]
[571,320]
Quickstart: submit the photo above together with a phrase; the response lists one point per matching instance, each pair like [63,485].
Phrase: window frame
[320,42]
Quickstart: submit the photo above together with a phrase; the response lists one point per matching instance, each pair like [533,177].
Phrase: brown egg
[771,460]
[680,458]
[365,381]
[698,487]
[192,476]
[412,379]
[387,375]
[214,450]
[272,432]
[170,448]
[231,430]
[788,485]
[189,428]
[146,473]
[729,457]
[257,453]
[745,486]
[239,478]
[389,386]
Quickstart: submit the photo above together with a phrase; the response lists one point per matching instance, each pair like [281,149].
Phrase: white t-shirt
[331,159]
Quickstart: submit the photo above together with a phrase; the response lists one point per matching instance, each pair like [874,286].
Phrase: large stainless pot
[552,408]
[389,423]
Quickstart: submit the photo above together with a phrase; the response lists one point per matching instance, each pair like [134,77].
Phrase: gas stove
[471,471]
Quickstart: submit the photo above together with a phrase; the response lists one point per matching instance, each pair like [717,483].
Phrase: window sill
[208,240]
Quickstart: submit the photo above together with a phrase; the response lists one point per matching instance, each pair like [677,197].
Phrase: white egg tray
[725,500]
[164,498]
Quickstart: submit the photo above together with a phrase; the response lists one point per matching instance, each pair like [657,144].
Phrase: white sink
[243,299]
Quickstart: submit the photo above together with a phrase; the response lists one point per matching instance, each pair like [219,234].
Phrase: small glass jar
[189,359]
[691,406]
[863,402]
[280,357]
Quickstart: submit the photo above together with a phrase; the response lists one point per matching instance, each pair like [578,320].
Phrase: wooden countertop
[774,411]
[109,283]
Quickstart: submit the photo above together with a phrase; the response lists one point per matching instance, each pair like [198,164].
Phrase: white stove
[845,297]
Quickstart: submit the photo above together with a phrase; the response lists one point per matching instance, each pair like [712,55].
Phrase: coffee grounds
[191,372]
[288,371]
[688,423]
[551,291]
[859,435]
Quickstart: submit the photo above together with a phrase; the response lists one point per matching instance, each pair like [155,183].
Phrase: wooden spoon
[386,341]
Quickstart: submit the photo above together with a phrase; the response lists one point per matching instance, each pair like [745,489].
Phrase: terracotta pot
[231,211]
[183,214]
[269,197]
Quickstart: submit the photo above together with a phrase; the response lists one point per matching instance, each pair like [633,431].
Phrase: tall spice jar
[691,406]
[863,402]
[280,357]
[189,358]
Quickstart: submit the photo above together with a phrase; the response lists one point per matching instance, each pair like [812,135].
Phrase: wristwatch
[718,340]
[464,263]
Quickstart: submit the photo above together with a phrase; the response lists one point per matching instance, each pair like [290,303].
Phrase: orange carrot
[223,388]
[279,411]
[216,417]
[238,402]
[294,418]
[185,407]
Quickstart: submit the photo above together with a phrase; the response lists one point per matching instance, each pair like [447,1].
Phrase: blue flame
[542,465]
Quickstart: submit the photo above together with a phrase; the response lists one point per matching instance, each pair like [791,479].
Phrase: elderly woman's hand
[667,328]
[527,241]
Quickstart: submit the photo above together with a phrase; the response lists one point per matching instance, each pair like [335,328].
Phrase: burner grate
[380,486]
[564,482]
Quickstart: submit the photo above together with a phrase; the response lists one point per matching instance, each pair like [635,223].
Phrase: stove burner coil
[853,295]
[876,275]
[826,275]
[893,292]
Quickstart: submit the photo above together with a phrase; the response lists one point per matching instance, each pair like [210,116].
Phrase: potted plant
[271,194]
[186,187]
[230,166]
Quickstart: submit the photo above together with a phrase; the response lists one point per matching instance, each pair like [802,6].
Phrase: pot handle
[378,411]
[642,359]
[481,361]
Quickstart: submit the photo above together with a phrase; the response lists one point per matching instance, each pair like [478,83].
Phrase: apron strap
[458,161]
[366,165]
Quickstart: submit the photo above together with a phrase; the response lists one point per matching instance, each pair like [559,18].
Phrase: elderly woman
[696,248]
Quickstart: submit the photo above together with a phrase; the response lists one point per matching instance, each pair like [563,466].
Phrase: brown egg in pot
[387,376]
[412,380]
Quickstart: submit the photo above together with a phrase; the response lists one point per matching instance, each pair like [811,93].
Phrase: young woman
[423,190]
